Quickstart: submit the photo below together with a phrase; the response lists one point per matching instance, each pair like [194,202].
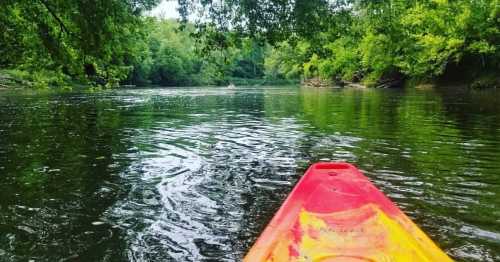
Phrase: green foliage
[311,67]
[36,79]
[111,42]
[368,40]
[171,60]
[285,61]
[106,43]
[89,39]
[345,59]
[173,56]
[376,55]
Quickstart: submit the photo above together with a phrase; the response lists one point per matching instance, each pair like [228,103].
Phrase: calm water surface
[195,174]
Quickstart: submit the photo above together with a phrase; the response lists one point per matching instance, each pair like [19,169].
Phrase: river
[194,174]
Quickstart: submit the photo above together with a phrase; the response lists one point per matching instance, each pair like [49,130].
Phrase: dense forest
[55,42]
[378,43]
[171,55]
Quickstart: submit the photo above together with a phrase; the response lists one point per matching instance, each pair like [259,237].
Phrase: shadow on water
[195,174]
[58,176]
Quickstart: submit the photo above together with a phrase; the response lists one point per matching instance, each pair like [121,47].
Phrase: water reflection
[195,174]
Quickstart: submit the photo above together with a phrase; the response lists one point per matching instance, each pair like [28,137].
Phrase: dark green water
[195,174]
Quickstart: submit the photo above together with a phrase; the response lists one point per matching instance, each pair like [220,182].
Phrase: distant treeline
[373,41]
[380,42]
[56,42]
[171,55]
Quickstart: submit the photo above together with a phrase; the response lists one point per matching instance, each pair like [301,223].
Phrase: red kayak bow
[335,213]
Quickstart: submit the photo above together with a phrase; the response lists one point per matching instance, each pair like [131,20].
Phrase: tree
[364,39]
[85,37]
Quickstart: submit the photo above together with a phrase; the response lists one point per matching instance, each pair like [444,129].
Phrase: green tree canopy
[78,37]
[365,39]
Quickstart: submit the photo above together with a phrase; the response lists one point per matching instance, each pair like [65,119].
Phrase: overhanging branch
[54,15]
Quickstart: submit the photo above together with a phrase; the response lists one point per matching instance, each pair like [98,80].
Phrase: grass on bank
[40,79]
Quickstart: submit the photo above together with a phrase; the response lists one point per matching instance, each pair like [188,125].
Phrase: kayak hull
[335,213]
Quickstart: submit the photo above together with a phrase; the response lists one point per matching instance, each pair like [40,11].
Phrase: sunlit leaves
[417,38]
[72,36]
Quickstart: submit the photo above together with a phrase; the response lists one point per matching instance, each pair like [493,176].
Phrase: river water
[194,174]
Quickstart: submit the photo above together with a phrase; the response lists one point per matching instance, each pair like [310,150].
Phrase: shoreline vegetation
[15,79]
[381,44]
[482,81]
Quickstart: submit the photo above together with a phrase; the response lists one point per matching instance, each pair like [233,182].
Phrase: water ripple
[194,174]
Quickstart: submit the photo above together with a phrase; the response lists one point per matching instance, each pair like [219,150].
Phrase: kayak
[335,213]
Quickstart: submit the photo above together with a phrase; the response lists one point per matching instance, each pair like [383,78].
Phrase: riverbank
[260,81]
[13,78]
[481,81]
[43,79]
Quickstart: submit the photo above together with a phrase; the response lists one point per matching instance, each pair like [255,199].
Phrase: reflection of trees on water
[70,155]
[419,146]
[58,175]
